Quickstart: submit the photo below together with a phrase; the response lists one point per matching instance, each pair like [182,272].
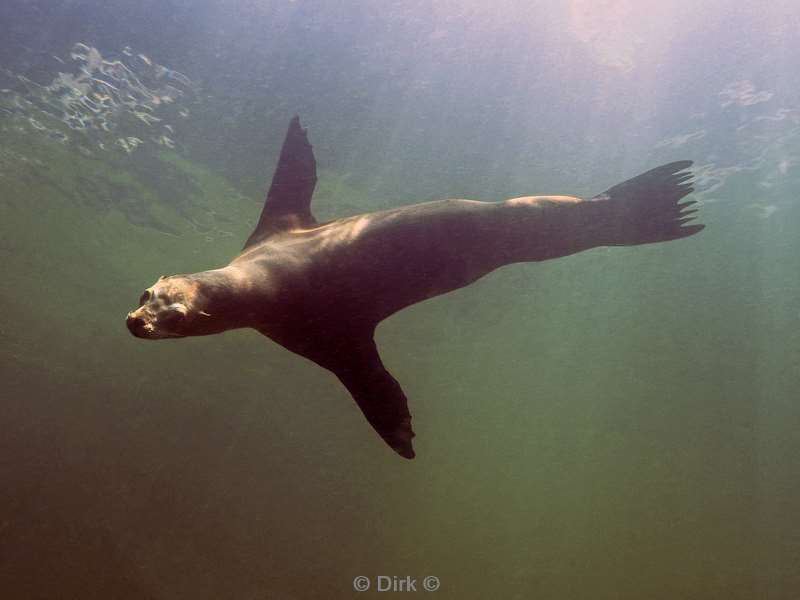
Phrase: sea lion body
[370,266]
[321,289]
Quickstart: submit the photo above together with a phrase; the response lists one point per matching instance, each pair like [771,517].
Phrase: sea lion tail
[647,208]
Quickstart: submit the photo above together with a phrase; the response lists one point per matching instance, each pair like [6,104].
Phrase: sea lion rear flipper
[647,208]
[288,202]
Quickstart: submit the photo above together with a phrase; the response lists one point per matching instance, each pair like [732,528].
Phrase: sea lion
[320,289]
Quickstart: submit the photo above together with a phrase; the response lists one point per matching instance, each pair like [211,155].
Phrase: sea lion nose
[134,324]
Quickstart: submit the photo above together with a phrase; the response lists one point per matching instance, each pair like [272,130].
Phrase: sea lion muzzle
[163,321]
[135,325]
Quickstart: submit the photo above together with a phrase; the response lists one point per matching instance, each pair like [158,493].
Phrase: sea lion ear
[288,202]
[162,277]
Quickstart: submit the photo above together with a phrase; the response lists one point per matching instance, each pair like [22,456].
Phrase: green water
[619,424]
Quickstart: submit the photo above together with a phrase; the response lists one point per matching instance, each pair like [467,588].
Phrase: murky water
[621,423]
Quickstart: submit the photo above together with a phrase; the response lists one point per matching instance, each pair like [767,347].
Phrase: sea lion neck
[231,298]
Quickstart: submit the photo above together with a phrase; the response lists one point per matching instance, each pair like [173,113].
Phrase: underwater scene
[614,416]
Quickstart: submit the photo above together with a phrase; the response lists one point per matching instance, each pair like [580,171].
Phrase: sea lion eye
[146,296]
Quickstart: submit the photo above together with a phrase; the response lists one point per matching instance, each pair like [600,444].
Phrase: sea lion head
[172,307]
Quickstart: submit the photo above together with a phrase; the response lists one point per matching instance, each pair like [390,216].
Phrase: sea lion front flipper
[358,366]
[288,202]
[352,356]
